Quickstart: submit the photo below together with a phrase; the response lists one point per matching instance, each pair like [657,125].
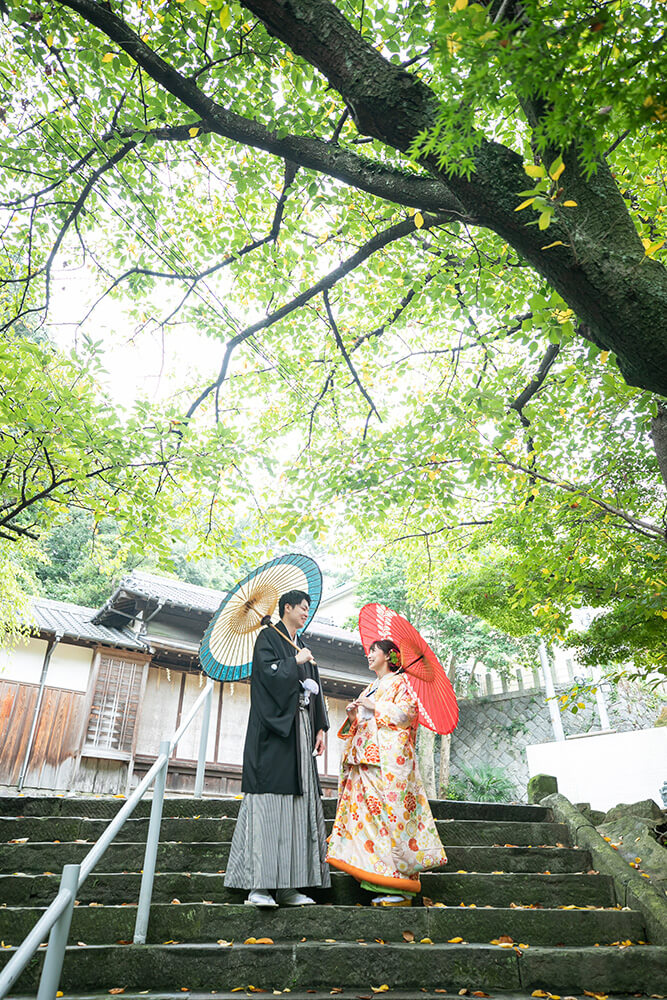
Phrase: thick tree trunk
[601,271]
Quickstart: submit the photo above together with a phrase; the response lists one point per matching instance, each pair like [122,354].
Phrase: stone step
[202,922]
[106,807]
[205,830]
[363,992]
[212,857]
[452,889]
[316,965]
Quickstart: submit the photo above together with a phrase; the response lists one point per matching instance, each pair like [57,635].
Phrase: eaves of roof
[76,622]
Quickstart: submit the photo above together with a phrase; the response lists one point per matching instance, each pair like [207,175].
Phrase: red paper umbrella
[438,708]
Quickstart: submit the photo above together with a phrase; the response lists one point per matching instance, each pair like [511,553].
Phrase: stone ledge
[631,889]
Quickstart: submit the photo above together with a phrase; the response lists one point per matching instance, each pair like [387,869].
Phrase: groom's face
[296,615]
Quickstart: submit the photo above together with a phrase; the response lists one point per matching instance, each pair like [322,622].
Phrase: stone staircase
[517,909]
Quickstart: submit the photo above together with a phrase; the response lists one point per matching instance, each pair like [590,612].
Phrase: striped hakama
[280,840]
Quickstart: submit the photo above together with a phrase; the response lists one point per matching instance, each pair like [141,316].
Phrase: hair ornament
[394,658]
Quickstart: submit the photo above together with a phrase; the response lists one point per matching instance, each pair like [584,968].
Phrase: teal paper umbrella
[226,649]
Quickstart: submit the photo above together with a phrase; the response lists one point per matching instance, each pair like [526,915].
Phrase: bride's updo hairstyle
[391,651]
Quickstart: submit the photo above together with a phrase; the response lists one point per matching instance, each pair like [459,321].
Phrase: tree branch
[346,356]
[316,154]
[530,390]
[382,239]
[646,528]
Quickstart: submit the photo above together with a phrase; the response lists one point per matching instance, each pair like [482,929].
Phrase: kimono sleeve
[275,680]
[401,710]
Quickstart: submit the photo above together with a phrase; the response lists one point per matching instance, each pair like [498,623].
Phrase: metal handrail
[56,919]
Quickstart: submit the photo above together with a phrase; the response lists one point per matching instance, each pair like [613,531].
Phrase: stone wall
[495,730]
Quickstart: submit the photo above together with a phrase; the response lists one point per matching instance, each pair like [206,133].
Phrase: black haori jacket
[271,759]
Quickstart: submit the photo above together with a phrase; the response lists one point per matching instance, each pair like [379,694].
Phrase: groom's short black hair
[292,597]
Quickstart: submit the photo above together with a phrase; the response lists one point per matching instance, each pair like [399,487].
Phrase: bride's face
[377,660]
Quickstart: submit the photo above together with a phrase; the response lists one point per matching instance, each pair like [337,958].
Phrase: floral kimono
[384,832]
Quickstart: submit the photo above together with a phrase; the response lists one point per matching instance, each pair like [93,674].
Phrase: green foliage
[17,582]
[80,560]
[605,73]
[482,784]
[512,507]
[459,640]
[119,487]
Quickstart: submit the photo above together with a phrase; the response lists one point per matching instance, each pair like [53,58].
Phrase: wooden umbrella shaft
[287,639]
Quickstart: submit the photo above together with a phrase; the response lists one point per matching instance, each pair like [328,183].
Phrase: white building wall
[69,667]
[233,722]
[157,716]
[606,769]
[188,747]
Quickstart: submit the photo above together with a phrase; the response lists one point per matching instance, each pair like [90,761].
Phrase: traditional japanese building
[86,700]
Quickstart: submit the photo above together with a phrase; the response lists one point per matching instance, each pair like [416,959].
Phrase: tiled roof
[205,599]
[184,595]
[325,630]
[75,621]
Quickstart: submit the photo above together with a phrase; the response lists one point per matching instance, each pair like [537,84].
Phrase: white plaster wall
[22,661]
[69,667]
[188,747]
[233,722]
[339,608]
[337,716]
[607,769]
[157,714]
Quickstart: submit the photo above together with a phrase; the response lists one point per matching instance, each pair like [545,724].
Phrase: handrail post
[57,917]
[203,744]
[152,841]
[55,952]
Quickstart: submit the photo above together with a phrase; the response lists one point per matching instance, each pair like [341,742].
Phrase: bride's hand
[351,709]
[366,702]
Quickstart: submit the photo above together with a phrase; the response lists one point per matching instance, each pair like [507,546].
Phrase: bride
[384,833]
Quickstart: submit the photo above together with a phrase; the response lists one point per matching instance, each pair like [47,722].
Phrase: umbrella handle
[287,639]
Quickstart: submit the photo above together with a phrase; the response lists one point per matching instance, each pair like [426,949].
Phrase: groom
[279,844]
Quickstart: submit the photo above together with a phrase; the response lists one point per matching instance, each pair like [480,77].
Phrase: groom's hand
[320,742]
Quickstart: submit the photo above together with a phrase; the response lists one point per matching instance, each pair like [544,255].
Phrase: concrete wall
[496,730]
[606,769]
